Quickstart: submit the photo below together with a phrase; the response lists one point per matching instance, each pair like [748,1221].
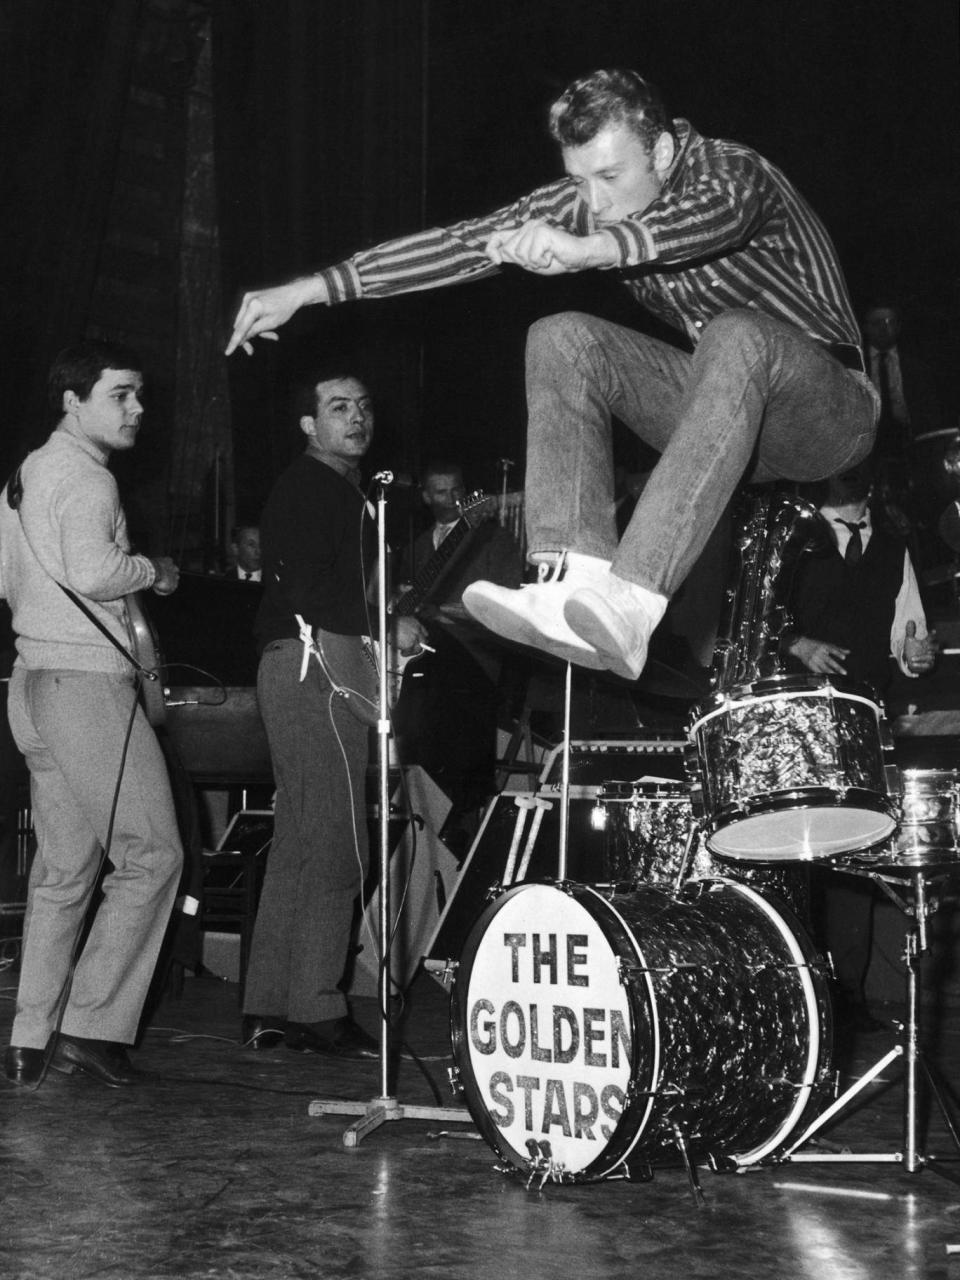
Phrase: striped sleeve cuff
[634,243]
[342,281]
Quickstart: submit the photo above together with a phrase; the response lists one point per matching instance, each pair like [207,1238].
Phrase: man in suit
[446,715]
[859,617]
[98,777]
[245,551]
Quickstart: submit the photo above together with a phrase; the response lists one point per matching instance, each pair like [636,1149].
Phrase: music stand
[915,1063]
[386,1106]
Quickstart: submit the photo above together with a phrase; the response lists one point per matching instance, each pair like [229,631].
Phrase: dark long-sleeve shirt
[728,230]
[315,540]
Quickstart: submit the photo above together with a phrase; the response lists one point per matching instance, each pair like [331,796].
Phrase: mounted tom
[784,767]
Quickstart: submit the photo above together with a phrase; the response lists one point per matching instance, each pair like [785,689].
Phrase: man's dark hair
[78,368]
[303,396]
[610,97]
[440,467]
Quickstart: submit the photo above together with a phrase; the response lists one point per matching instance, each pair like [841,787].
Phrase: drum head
[801,834]
[544,1031]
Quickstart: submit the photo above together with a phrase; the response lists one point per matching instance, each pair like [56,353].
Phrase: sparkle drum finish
[792,768]
[929,830]
[648,825]
[591,1034]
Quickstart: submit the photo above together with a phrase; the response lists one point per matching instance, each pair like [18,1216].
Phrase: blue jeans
[757,401]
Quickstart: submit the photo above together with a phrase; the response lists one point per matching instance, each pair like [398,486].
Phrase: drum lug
[543,1167]
[445,971]
[453,1078]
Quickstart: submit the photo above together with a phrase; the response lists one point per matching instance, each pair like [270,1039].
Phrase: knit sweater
[70,529]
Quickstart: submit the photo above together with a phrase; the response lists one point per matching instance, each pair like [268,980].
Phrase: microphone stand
[386,1106]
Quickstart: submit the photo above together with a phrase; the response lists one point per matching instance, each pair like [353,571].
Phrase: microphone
[401,481]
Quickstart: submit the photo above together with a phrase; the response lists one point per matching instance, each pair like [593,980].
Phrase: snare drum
[646,829]
[929,832]
[587,1030]
[793,768]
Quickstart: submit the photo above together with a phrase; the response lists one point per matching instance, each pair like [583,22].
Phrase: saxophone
[777,528]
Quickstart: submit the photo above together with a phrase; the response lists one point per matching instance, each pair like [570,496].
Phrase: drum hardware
[917,1070]
[537,806]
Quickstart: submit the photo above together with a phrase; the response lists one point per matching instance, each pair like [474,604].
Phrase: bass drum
[588,1031]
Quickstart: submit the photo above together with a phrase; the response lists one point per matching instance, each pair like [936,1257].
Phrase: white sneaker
[616,619]
[533,615]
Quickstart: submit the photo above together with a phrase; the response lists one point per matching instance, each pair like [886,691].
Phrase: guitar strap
[14,491]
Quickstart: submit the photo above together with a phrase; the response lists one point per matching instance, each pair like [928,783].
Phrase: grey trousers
[70,726]
[319,854]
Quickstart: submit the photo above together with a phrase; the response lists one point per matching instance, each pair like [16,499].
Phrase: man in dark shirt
[766,380]
[318,548]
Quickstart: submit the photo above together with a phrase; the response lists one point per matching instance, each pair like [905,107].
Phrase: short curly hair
[609,97]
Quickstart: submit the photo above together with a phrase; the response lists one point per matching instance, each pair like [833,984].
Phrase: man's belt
[850,356]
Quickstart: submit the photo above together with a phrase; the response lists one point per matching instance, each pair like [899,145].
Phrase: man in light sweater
[98,778]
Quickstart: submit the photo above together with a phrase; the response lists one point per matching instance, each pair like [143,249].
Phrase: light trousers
[70,726]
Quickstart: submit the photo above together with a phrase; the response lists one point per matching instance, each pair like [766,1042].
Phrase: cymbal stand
[386,1106]
[917,1070]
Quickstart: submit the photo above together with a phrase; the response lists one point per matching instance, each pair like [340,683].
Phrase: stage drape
[318,139]
[64,80]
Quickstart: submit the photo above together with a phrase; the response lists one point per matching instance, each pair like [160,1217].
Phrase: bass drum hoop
[817,1013]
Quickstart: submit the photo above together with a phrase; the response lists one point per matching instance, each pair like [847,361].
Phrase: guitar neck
[424,582]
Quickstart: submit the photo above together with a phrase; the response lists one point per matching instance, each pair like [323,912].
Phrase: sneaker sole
[591,628]
[509,626]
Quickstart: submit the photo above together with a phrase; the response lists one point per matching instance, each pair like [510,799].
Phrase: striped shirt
[727,230]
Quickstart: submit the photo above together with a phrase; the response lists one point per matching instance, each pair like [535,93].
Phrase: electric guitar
[473,511]
[145,646]
[351,663]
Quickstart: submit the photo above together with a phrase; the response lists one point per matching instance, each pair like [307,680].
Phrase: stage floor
[212,1167]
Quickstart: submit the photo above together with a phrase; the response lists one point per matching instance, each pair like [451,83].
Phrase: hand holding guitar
[168,576]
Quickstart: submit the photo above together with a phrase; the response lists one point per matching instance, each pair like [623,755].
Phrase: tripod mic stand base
[379,1111]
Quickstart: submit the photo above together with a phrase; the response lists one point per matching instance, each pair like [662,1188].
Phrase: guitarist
[446,715]
[75,716]
[318,551]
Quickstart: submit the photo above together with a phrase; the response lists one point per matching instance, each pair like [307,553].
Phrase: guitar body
[145,646]
[350,664]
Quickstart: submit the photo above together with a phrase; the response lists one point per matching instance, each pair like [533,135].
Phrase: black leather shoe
[338,1038]
[261,1031]
[23,1066]
[101,1059]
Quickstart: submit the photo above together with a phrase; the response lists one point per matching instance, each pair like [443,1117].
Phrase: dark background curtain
[339,124]
[342,125]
